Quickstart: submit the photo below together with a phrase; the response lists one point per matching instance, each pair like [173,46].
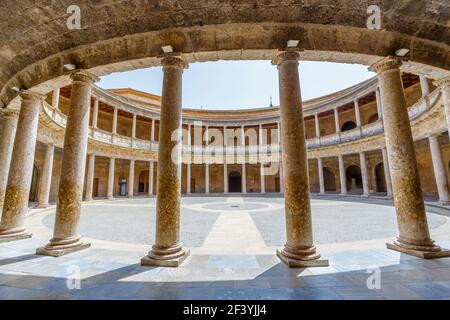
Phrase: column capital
[442,83]
[386,64]
[84,76]
[9,113]
[174,62]
[28,95]
[285,56]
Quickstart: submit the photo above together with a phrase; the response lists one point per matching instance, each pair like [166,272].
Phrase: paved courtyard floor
[233,242]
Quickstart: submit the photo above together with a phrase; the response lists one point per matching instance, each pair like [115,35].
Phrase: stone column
[342,176]
[244,178]
[90,177]
[133,129]
[111,170]
[95,114]
[387,173]
[336,120]
[152,131]
[263,178]
[439,170]
[414,235]
[131,180]
[188,178]
[444,84]
[364,174]
[321,181]
[46,177]
[357,113]
[150,179]
[167,250]
[206,178]
[17,192]
[70,195]
[378,98]
[281,177]
[115,116]
[424,85]
[9,119]
[55,98]
[317,123]
[299,250]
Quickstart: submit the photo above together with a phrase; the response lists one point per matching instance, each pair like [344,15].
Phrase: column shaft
[46,177]
[115,118]
[55,98]
[152,132]
[188,178]
[321,180]
[439,170]
[90,177]
[316,121]
[225,178]
[244,178]
[150,179]
[342,175]
[364,173]
[336,120]
[111,171]
[424,85]
[263,178]
[95,114]
[207,178]
[299,250]
[17,192]
[387,173]
[378,98]
[131,180]
[357,114]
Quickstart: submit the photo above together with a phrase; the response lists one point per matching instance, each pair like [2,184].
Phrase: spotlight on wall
[292,43]
[402,52]
[167,49]
[70,66]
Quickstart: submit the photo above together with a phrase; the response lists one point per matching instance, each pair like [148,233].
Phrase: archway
[329,180]
[34,184]
[349,125]
[354,179]
[143,182]
[381,179]
[235,182]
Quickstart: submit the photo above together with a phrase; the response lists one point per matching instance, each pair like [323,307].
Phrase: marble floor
[233,242]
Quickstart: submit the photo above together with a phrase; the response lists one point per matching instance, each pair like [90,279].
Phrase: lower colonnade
[286,164]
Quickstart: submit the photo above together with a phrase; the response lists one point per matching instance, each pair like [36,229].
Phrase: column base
[11,235]
[42,206]
[166,257]
[301,257]
[439,253]
[62,247]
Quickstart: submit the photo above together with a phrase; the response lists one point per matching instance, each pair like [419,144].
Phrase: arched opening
[381,179]
[329,180]
[373,118]
[34,185]
[143,182]
[235,182]
[349,125]
[354,179]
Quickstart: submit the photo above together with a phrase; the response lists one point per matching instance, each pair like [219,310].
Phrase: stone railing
[372,129]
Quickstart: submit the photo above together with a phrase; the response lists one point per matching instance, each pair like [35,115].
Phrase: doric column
[225,178]
[167,250]
[115,116]
[206,178]
[321,181]
[17,192]
[357,113]
[424,85]
[439,170]
[133,128]
[152,131]
[299,250]
[317,125]
[150,179]
[55,98]
[263,178]
[244,178]
[111,170]
[95,114]
[70,195]
[387,173]
[90,177]
[9,119]
[336,120]
[188,178]
[342,176]
[414,235]
[378,100]
[444,84]
[364,173]
[281,177]
[131,180]
[46,177]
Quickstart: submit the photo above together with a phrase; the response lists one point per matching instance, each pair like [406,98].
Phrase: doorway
[235,182]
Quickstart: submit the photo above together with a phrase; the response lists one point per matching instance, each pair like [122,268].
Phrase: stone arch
[354,178]
[349,125]
[329,179]
[143,184]
[380,178]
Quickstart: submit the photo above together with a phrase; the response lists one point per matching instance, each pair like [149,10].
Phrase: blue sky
[241,84]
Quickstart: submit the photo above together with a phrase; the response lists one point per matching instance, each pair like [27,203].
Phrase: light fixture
[401,52]
[70,66]
[292,43]
[167,49]
[17,89]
